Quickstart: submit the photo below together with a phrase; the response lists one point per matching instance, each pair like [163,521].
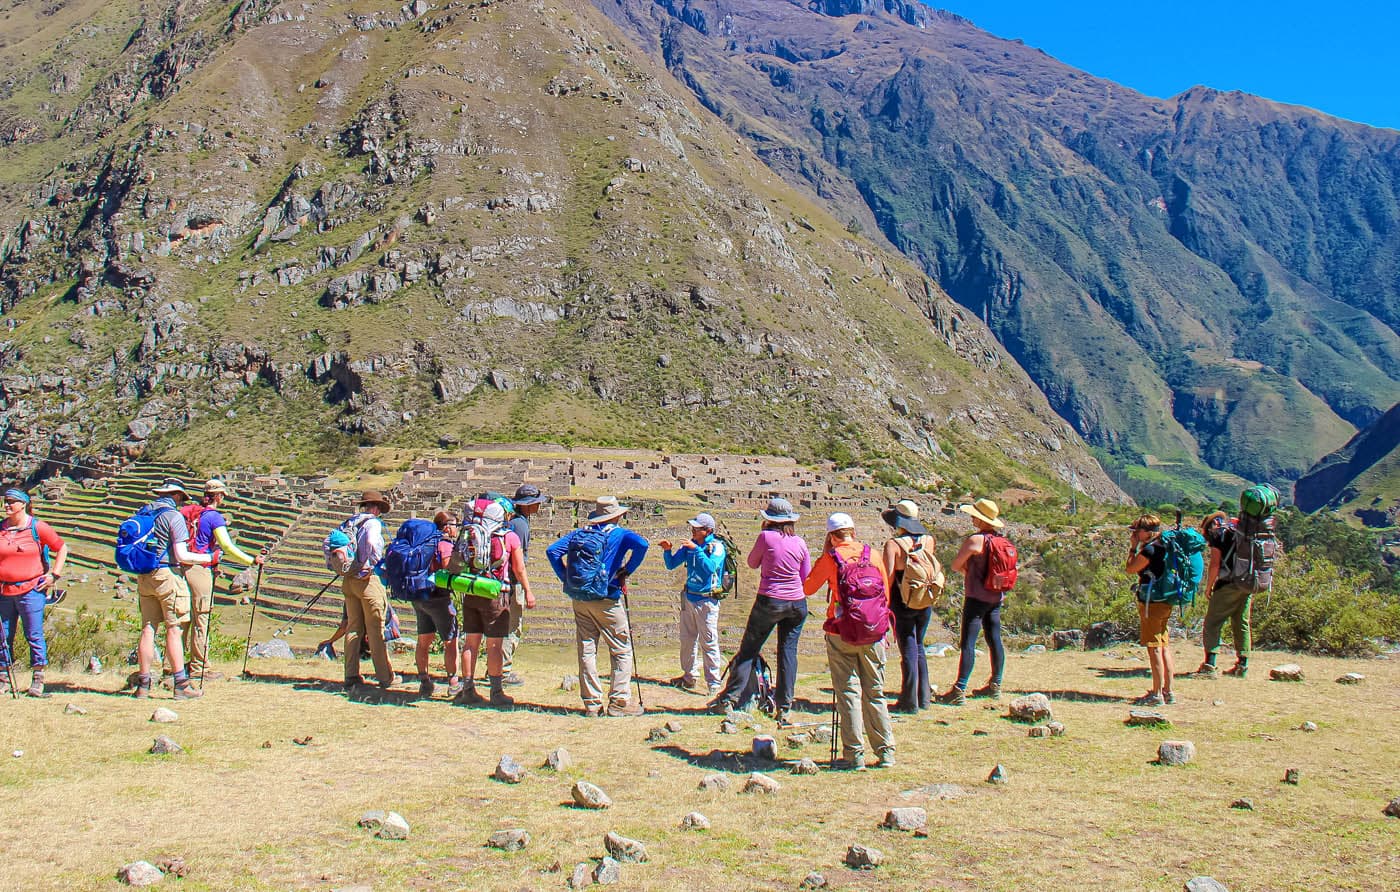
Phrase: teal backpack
[1185,567]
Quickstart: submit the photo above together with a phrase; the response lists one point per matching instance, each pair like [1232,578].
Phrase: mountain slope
[1362,478]
[1207,279]
[292,229]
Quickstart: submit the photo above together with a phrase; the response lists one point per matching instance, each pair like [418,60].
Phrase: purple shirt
[783,562]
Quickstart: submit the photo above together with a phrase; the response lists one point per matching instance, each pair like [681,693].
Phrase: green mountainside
[1362,479]
[1206,281]
[271,233]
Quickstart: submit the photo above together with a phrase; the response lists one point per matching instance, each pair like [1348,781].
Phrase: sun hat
[702,520]
[984,510]
[375,497]
[213,485]
[779,511]
[904,515]
[16,495]
[839,521]
[169,486]
[529,494]
[605,509]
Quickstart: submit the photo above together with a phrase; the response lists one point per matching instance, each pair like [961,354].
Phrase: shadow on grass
[1111,672]
[1074,696]
[731,761]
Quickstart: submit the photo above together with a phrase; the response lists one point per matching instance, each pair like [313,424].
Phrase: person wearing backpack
[208,535]
[593,563]
[366,598]
[858,620]
[1242,555]
[1147,557]
[916,582]
[987,560]
[783,563]
[436,616]
[527,502]
[703,556]
[163,592]
[487,547]
[25,574]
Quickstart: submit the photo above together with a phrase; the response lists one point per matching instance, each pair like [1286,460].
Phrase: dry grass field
[249,808]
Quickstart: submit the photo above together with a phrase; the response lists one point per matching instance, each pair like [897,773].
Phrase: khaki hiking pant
[605,620]
[1229,602]
[366,604]
[517,630]
[201,582]
[858,680]
[700,631]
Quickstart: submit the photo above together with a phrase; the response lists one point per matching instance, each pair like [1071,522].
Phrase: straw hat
[984,510]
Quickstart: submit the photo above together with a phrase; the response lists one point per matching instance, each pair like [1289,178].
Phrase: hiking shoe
[721,707]
[1151,698]
[954,696]
[1168,698]
[991,689]
[1206,670]
[454,687]
[513,680]
[851,763]
[592,712]
[467,696]
[1239,670]
[886,759]
[784,718]
[425,686]
[187,691]
[501,700]
[36,685]
[685,684]
[625,709]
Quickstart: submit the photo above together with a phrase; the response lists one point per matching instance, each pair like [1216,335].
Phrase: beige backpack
[921,584]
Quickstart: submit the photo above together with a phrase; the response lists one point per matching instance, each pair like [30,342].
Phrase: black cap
[529,494]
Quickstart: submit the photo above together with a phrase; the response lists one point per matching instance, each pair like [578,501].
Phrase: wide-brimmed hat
[213,485]
[605,509]
[779,511]
[702,521]
[984,510]
[839,521]
[529,494]
[169,487]
[375,497]
[904,515]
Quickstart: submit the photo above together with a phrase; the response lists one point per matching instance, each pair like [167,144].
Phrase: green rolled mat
[468,584]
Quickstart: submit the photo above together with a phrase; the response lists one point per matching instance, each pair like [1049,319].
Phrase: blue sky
[1342,58]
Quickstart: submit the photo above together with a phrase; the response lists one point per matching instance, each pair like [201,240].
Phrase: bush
[1319,608]
[107,634]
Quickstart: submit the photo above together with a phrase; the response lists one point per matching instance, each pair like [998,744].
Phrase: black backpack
[758,693]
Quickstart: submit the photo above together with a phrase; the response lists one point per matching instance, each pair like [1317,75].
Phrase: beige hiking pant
[858,680]
[201,583]
[366,604]
[604,620]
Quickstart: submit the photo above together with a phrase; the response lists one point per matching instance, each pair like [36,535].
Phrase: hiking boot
[625,709]
[187,691]
[499,698]
[36,684]
[425,685]
[886,759]
[1206,670]
[1168,698]
[685,684]
[784,718]
[954,696]
[721,707]
[1151,698]
[1239,670]
[351,684]
[592,712]
[512,680]
[142,690]
[991,689]
[853,762]
[467,696]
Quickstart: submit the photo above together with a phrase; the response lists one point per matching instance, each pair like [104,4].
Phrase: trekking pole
[632,633]
[835,725]
[252,614]
[301,614]
[9,663]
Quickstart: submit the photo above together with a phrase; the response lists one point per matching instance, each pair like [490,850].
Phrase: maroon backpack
[862,608]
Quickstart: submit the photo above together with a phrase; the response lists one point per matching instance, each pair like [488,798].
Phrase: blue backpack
[136,552]
[408,561]
[1185,567]
[586,576]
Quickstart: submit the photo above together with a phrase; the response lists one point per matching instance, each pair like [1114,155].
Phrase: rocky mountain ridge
[1361,478]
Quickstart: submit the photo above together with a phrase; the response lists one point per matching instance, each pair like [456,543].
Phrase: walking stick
[9,663]
[252,614]
[632,633]
[301,614]
[835,724]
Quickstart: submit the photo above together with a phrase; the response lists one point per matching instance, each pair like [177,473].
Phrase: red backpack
[1001,562]
[191,512]
[862,611]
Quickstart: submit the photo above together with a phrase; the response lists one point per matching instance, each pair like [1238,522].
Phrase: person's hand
[688,544]
[529,601]
[665,544]
[260,560]
[44,581]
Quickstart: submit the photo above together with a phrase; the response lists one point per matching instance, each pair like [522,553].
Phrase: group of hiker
[875,594]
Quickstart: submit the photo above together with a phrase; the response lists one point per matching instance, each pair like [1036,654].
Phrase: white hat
[605,509]
[839,521]
[702,521]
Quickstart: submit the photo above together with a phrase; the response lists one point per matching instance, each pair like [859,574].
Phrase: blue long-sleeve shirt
[622,555]
[704,565]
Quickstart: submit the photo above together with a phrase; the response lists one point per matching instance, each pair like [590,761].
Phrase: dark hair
[443,518]
[784,527]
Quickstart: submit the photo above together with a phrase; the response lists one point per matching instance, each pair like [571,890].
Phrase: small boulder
[1176,752]
[998,775]
[695,821]
[1392,808]
[1243,804]
[1351,678]
[765,747]
[581,876]
[656,735]
[859,857]
[509,840]
[1067,638]
[607,872]
[588,795]
[1056,729]
[813,880]
[1292,776]
[729,726]
[568,683]
[558,759]
[907,819]
[1204,884]
[941,649]
[798,741]
[164,716]
[1147,718]
[74,709]
[1038,731]
[805,766]
[1308,727]
[174,866]
[140,873]
[623,849]
[372,820]
[1030,708]
[821,734]
[508,771]
[761,783]
[1036,649]
[715,783]
[393,827]
[164,746]
[674,726]
[275,649]
[1287,672]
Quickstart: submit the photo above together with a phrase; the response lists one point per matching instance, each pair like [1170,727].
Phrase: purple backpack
[863,611]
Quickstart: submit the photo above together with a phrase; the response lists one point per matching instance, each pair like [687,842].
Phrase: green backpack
[1259,501]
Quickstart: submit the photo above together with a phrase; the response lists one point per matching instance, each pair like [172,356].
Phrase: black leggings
[978,616]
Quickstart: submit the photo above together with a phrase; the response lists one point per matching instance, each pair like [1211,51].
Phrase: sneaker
[721,707]
[625,709]
[1168,698]
[1206,670]
[685,684]
[886,759]
[954,696]
[187,691]
[991,689]
[454,687]
[592,712]
[1238,670]
[467,696]
[425,686]
[1151,698]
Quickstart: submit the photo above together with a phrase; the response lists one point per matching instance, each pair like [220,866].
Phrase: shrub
[1319,608]
[106,634]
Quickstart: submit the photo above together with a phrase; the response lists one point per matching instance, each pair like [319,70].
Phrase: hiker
[163,592]
[26,573]
[1242,554]
[1147,557]
[702,555]
[497,553]
[593,563]
[783,562]
[208,535]
[981,602]
[437,616]
[527,501]
[912,595]
[366,598]
[858,620]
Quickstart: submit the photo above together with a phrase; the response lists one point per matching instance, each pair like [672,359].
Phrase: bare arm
[890,554]
[971,546]
[56,569]
[1212,571]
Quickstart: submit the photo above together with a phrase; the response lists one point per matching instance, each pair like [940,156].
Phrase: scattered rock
[1067,638]
[728,726]
[607,872]
[1287,672]
[1176,752]
[765,747]
[558,759]
[276,649]
[1243,804]
[657,734]
[798,741]
[1036,649]
[941,649]
[1101,635]
[761,783]
[1204,884]
[164,716]
[813,880]
[674,726]
[372,820]
[1030,708]
[1351,678]
[267,744]
[1038,731]
[587,795]
[1292,776]
[164,746]
[715,783]
[581,875]
[94,666]
[821,734]
[74,709]
[623,849]
[175,867]
[393,827]
[907,819]
[978,732]
[695,821]
[509,840]
[998,775]
[568,683]
[1308,727]
[1392,808]
[805,766]
[1147,718]
[303,741]
[1056,729]
[508,771]
[140,873]
[861,857]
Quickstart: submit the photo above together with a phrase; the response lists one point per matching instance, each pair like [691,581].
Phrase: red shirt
[21,557]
